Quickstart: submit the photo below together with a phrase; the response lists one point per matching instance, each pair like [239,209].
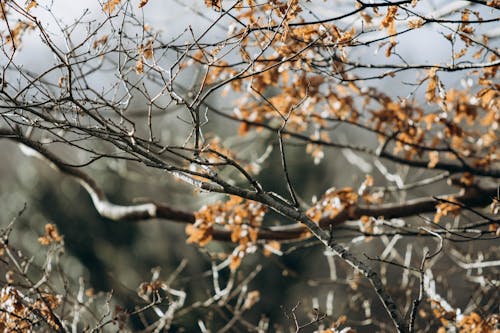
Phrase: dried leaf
[270,247]
[216,4]
[477,55]
[148,50]
[487,95]
[101,41]
[415,23]
[109,6]
[139,66]
[430,93]
[467,179]
[235,262]
[14,36]
[366,17]
[389,22]
[61,81]
[252,298]
[243,129]
[31,5]
[460,53]
[495,206]
[445,208]
[433,159]
[388,51]
[51,235]
[473,323]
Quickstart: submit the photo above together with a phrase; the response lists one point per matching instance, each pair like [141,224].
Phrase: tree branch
[104,207]
[474,196]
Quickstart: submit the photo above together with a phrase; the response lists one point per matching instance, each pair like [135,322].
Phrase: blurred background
[119,256]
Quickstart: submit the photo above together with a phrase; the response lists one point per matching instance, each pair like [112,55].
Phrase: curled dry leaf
[430,93]
[109,6]
[445,208]
[139,66]
[389,22]
[99,42]
[415,23]
[31,5]
[148,50]
[13,36]
[51,235]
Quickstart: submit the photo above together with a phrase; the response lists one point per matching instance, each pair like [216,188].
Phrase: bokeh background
[119,256]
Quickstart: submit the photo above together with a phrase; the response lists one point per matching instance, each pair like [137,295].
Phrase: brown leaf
[243,129]
[445,208]
[388,51]
[139,66]
[148,50]
[100,41]
[467,179]
[415,23]
[389,22]
[51,235]
[433,159]
[31,4]
[271,246]
[235,262]
[14,37]
[460,53]
[252,298]
[430,93]
[216,4]
[109,6]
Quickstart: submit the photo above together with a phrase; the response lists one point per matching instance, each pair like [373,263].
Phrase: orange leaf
[430,93]
[467,179]
[100,41]
[444,208]
[109,6]
[388,51]
[148,50]
[271,246]
[139,66]
[433,159]
[389,22]
[415,24]
[235,262]
[243,129]
[252,298]
[51,235]
[31,4]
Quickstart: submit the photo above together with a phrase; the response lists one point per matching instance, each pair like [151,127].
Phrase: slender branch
[446,166]
[474,196]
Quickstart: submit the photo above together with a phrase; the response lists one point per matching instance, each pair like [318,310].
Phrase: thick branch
[101,203]
[475,196]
